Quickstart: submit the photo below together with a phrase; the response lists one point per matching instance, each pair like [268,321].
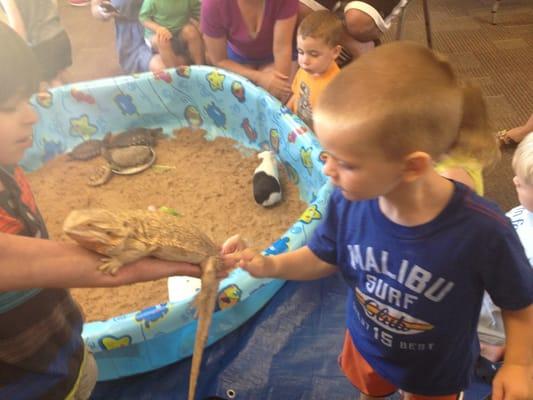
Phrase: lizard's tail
[205,305]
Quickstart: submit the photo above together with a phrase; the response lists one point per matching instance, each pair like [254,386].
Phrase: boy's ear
[337,51]
[516,181]
[416,164]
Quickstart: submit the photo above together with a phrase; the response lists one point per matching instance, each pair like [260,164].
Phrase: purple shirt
[222,18]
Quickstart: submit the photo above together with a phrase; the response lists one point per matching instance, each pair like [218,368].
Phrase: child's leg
[156,63]
[152,42]
[168,55]
[194,42]
[371,385]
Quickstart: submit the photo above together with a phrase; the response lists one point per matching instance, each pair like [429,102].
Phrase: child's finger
[230,261]
[233,244]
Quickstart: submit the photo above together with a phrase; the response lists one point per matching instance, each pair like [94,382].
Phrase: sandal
[486,369]
[505,140]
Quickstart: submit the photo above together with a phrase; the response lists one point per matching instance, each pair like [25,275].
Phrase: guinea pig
[267,189]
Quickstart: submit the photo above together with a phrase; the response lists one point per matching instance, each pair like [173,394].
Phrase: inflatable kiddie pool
[224,104]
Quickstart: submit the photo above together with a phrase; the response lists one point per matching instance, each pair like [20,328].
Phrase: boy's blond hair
[411,97]
[323,25]
[523,160]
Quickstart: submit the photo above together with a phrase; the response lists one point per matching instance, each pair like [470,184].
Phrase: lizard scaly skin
[126,236]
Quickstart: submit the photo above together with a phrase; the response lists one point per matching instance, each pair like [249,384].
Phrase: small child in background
[466,165]
[416,250]
[172,29]
[134,54]
[37,22]
[318,45]
[490,327]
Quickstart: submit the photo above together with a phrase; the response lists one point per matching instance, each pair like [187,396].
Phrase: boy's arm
[150,24]
[300,265]
[514,381]
[14,19]
[291,103]
[145,17]
[38,263]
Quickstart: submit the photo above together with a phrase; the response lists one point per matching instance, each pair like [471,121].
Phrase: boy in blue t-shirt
[416,250]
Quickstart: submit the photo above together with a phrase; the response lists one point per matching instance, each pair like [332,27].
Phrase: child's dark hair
[410,99]
[19,69]
[322,24]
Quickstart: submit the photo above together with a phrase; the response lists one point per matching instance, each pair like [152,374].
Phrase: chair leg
[399,29]
[428,23]
[494,10]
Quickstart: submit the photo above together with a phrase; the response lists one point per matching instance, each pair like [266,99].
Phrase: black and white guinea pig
[267,189]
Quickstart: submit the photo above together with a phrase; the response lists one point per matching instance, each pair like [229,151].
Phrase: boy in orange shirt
[318,46]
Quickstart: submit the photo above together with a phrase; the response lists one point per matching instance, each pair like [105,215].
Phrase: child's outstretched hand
[513,382]
[236,254]
[233,244]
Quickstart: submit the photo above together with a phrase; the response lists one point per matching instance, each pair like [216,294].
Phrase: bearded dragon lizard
[126,236]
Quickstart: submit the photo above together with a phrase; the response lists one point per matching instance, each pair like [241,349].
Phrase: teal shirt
[171,14]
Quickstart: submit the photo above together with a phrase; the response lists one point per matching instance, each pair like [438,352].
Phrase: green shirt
[172,14]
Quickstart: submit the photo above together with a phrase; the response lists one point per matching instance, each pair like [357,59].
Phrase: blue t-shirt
[415,292]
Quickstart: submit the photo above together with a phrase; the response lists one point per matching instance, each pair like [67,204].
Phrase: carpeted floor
[498,57]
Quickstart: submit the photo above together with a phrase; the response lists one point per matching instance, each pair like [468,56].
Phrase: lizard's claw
[110,265]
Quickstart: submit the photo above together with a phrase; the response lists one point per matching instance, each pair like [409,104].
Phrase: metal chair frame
[427,23]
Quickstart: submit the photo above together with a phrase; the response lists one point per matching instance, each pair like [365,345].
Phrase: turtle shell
[134,137]
[127,157]
[86,150]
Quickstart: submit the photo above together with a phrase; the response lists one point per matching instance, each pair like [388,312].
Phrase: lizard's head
[96,229]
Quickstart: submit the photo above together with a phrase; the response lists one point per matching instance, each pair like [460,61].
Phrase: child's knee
[190,33]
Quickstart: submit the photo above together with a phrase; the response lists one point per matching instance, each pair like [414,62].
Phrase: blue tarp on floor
[287,351]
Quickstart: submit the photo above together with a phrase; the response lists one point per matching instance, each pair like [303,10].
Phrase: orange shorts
[367,381]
